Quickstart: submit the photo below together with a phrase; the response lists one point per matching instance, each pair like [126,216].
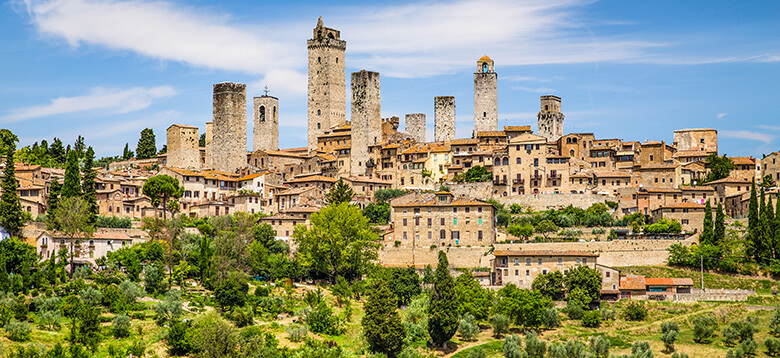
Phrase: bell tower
[485,96]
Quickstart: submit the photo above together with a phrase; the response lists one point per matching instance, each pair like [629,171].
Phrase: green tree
[88,185]
[753,229]
[477,173]
[213,337]
[404,283]
[442,319]
[147,145]
[385,195]
[11,218]
[719,230]
[669,334]
[534,347]
[161,188]
[774,324]
[71,186]
[231,292]
[585,279]
[545,227]
[500,324]
[703,328]
[524,231]
[377,213]
[57,152]
[202,140]
[340,242]
[719,167]
[121,326]
[339,193]
[179,338]
[53,200]
[381,324]
[706,236]
[551,318]
[71,218]
[127,153]
[471,297]
[550,285]
[512,346]
[523,307]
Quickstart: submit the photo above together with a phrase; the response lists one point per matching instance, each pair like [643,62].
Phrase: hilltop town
[506,206]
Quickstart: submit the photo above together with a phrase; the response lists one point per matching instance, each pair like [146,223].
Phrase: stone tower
[209,162]
[366,118]
[415,126]
[228,145]
[327,104]
[183,147]
[265,128]
[444,118]
[485,96]
[550,118]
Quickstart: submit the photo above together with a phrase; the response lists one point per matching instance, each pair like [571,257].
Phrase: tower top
[321,32]
[485,58]
[485,65]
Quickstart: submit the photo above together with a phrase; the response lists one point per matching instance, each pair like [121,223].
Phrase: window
[430,222]
[608,274]
[479,221]
[404,235]
[577,261]
[539,261]
[443,234]
[528,261]
[479,234]
[517,160]
[517,261]
[404,221]
[560,261]
[442,221]
[454,221]
[517,272]
[584,261]
[528,272]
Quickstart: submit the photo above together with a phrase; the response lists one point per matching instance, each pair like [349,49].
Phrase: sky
[634,70]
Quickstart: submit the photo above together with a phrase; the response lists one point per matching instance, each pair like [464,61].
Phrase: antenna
[266,90]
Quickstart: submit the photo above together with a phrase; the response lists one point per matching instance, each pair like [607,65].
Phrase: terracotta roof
[441,149]
[615,174]
[368,180]
[296,191]
[729,180]
[311,179]
[282,217]
[659,166]
[463,141]
[485,58]
[491,134]
[302,209]
[696,188]
[683,205]
[251,176]
[421,160]
[183,126]
[632,283]
[662,190]
[544,253]
[391,146]
[690,153]
[517,128]
[743,160]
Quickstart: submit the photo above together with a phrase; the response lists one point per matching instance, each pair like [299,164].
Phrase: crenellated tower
[327,103]
[550,118]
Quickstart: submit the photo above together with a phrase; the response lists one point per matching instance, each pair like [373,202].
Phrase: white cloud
[761,137]
[721,115]
[110,100]
[535,90]
[771,128]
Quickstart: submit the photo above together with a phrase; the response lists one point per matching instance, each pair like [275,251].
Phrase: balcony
[556,176]
[518,181]
[536,176]
[499,182]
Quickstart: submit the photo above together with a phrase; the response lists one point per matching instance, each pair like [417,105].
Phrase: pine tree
[88,185]
[11,218]
[776,225]
[443,316]
[706,232]
[79,146]
[719,231]
[382,326]
[753,232]
[147,147]
[127,154]
[770,227]
[71,187]
[339,193]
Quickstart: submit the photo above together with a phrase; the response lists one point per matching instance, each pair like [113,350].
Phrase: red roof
[632,283]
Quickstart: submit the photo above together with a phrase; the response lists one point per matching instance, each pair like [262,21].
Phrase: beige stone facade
[550,118]
[327,101]
[366,118]
[770,166]
[265,127]
[415,126]
[696,140]
[229,143]
[485,96]
[523,266]
[690,215]
[183,147]
[444,118]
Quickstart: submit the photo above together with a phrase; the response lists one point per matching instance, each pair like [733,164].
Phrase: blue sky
[633,70]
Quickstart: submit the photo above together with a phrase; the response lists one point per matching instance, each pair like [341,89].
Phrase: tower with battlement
[366,113]
[550,118]
[485,96]
[415,126]
[327,104]
[444,118]
[228,144]
[265,127]
[183,147]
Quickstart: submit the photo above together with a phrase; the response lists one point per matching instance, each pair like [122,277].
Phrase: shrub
[534,347]
[179,339]
[121,326]
[635,311]
[774,324]
[599,347]
[749,346]
[467,327]
[130,291]
[551,319]
[772,346]
[500,324]
[153,278]
[703,328]
[573,310]
[512,345]
[607,314]
[679,355]
[735,353]
[297,332]
[591,319]
[49,320]
[243,316]
[18,331]
[669,337]
[322,320]
[91,296]
[477,353]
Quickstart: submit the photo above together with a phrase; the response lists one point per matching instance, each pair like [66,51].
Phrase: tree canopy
[147,147]
[161,188]
[339,193]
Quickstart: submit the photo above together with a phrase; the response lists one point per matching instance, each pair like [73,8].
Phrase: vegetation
[147,147]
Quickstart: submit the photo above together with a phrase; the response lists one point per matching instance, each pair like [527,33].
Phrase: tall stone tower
[444,118]
[366,118]
[327,104]
[183,147]
[209,162]
[228,145]
[265,127]
[485,96]
[415,126]
[550,118]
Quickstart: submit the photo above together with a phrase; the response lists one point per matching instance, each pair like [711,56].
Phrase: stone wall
[419,257]
[209,163]
[265,127]
[366,118]
[702,139]
[714,294]
[485,101]
[229,142]
[327,98]
[550,118]
[183,147]
[444,118]
[415,126]
[539,202]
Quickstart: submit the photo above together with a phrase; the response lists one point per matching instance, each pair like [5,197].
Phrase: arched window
[517,160]
[484,114]
[497,161]
[318,126]
[319,112]
[319,59]
[568,140]
[330,35]
[484,67]
[506,161]
[571,153]
[546,107]
[261,109]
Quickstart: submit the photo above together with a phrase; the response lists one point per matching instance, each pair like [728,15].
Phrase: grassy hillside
[762,285]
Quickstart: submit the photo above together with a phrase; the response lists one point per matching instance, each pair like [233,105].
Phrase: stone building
[209,162]
[523,266]
[327,104]
[690,215]
[770,166]
[183,147]
[485,96]
[415,126]
[550,118]
[266,123]
[696,140]
[229,138]
[366,118]
[441,219]
[444,118]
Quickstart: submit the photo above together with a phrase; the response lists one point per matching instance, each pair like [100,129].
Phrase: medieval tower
[366,118]
[485,96]
[415,126]
[183,147]
[444,118]
[327,104]
[265,128]
[550,118]
[228,145]
[209,162]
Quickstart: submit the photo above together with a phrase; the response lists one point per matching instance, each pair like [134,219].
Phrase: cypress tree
[53,201]
[88,185]
[762,232]
[442,311]
[11,218]
[706,232]
[71,187]
[147,147]
[382,326]
[776,225]
[770,226]
[753,222]
[719,231]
